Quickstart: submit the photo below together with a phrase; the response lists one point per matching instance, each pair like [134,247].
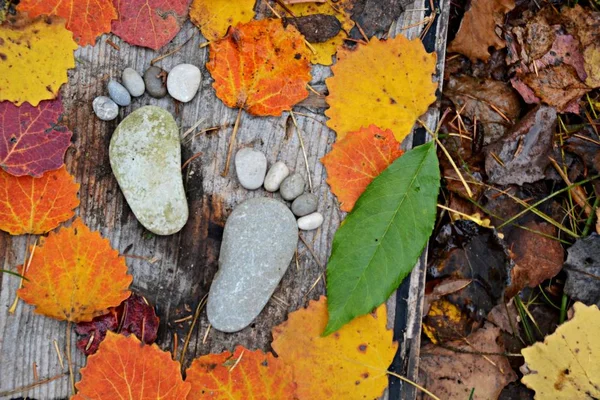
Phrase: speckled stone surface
[259,241]
[145,156]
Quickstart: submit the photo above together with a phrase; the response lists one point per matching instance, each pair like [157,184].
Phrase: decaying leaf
[585,23]
[477,32]
[149,23]
[35,55]
[399,91]
[133,316]
[242,375]
[86,19]
[376,16]
[565,366]
[31,141]
[356,160]
[583,269]
[36,205]
[75,275]
[348,364]
[261,67]
[452,375]
[214,17]
[124,368]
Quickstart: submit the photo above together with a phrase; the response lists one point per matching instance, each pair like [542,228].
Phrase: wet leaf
[565,365]
[86,19]
[316,28]
[260,67]
[75,275]
[36,205]
[375,17]
[583,270]
[133,316]
[31,142]
[400,90]
[356,160]
[214,17]
[125,368]
[35,55]
[349,364]
[382,238]
[477,32]
[242,375]
[149,23]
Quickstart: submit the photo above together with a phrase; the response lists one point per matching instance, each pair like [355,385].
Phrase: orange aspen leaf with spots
[260,66]
[87,19]
[124,368]
[349,364]
[75,275]
[242,375]
[356,160]
[398,90]
[36,205]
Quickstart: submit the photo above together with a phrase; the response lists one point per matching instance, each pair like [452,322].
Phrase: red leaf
[133,316]
[30,141]
[149,23]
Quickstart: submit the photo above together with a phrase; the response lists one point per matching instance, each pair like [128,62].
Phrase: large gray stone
[259,241]
[145,156]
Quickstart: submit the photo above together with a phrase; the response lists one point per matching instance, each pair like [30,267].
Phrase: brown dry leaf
[477,32]
[452,375]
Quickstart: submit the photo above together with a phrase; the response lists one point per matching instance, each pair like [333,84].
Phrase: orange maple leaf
[75,275]
[36,205]
[348,364]
[242,375]
[260,66]
[86,19]
[356,160]
[123,367]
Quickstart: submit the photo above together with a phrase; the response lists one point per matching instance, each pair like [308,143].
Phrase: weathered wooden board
[175,272]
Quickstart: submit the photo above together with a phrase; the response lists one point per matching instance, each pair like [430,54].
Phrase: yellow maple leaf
[214,17]
[34,58]
[565,366]
[351,363]
[391,86]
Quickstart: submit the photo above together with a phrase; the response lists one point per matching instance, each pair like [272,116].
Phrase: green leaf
[380,241]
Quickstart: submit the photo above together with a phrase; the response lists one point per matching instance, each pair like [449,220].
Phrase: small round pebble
[292,187]
[133,82]
[155,86]
[305,204]
[105,108]
[277,173]
[183,82]
[118,93]
[310,221]
[250,167]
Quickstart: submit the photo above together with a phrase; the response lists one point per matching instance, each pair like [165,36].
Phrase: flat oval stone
[105,108]
[310,221]
[292,187]
[133,82]
[259,241]
[145,156]
[183,82]
[250,167]
[305,204]
[277,173]
[155,85]
[118,93]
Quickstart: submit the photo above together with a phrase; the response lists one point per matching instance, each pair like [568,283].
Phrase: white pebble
[277,173]
[310,221]
[183,82]
[105,108]
[250,167]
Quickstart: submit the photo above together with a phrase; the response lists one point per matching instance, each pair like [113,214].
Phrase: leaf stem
[236,127]
[421,388]
[310,185]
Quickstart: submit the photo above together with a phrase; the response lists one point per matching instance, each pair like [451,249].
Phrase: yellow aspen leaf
[75,275]
[35,55]
[565,366]
[356,160]
[214,17]
[391,86]
[242,375]
[349,364]
[125,368]
[36,205]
